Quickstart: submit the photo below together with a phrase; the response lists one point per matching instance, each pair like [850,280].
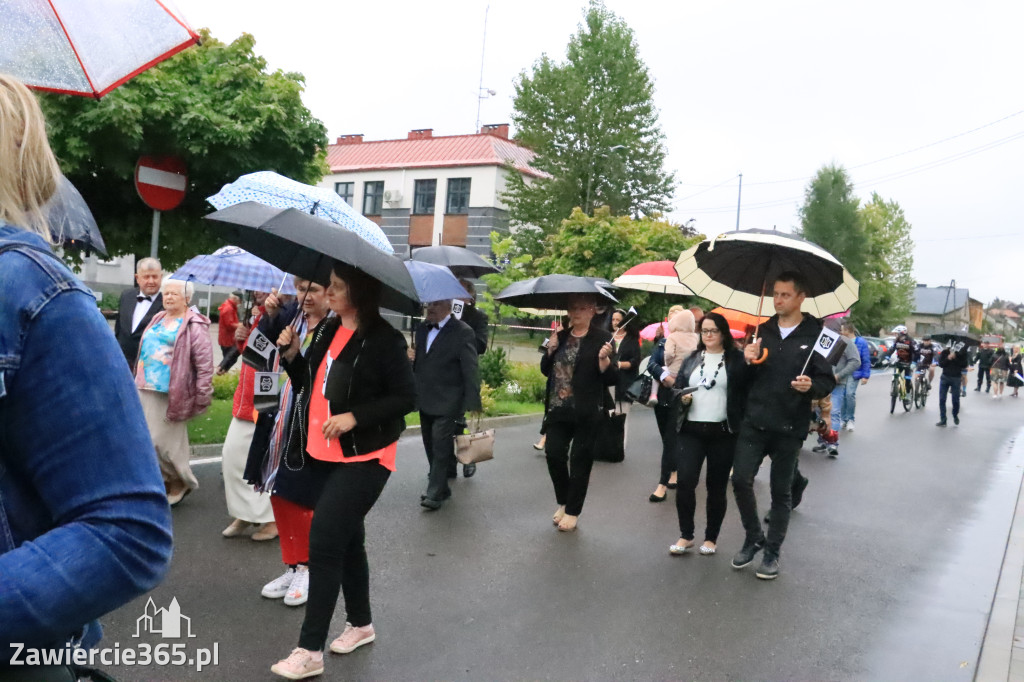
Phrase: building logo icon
[169,623]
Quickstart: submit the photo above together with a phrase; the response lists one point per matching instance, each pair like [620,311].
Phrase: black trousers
[947,384]
[439,443]
[665,415]
[700,441]
[752,445]
[337,551]
[984,374]
[569,450]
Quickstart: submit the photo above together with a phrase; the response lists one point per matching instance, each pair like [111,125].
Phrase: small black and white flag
[258,350]
[457,308]
[830,345]
[266,390]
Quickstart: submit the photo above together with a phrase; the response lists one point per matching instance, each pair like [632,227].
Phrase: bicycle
[902,390]
[921,387]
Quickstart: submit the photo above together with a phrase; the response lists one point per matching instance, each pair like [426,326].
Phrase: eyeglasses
[710,332]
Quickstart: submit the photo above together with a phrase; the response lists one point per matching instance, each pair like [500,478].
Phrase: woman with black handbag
[580,368]
[707,429]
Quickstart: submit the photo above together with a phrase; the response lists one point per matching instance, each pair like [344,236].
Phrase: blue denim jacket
[84,521]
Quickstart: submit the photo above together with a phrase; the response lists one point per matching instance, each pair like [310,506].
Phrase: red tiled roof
[434,152]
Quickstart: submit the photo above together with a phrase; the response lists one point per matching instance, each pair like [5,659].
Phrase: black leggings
[569,450]
[337,554]
[666,416]
[699,441]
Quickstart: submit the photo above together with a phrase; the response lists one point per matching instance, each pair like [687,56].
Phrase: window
[423,197]
[373,197]
[344,190]
[458,195]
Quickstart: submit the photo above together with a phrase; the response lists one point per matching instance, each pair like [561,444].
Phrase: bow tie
[140,298]
[433,325]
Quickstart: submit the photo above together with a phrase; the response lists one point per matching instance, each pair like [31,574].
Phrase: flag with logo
[258,351]
[830,345]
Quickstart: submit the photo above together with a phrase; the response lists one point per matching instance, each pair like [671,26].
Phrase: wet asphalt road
[888,570]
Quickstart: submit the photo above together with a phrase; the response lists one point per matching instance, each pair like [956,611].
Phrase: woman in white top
[708,429]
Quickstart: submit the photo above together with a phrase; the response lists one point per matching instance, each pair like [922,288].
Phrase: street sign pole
[155,240]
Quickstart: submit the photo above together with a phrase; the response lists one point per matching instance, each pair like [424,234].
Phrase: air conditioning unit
[393,196]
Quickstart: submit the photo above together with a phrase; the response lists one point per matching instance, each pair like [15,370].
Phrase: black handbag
[609,444]
[640,390]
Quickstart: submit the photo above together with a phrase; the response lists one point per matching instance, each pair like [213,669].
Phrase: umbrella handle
[764,356]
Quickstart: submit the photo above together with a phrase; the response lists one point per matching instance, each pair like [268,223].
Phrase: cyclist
[904,352]
[927,353]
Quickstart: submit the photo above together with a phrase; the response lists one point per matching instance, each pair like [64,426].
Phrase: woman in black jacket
[708,429]
[580,367]
[626,341]
[355,385]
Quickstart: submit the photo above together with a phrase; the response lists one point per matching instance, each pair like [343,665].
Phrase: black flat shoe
[655,498]
[671,486]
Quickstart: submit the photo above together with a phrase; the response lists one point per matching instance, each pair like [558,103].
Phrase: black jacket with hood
[772,403]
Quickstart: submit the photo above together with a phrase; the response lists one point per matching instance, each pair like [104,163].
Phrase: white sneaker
[846,426]
[278,587]
[298,592]
[849,425]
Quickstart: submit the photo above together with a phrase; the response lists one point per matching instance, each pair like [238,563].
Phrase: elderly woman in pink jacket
[174,375]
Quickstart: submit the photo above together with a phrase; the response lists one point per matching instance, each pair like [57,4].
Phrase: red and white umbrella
[89,47]
[658,277]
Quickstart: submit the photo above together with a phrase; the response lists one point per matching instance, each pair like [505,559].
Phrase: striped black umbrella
[736,269]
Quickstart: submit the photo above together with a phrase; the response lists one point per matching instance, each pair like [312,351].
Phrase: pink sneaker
[353,638]
[299,665]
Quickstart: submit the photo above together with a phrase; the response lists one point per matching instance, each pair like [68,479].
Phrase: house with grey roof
[942,307]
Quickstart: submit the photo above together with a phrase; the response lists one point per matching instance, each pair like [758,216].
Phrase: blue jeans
[949,385]
[850,401]
[838,404]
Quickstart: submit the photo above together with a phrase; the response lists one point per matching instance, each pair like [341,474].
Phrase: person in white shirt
[137,308]
[707,429]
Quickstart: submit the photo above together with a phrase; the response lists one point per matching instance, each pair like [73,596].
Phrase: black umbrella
[70,220]
[551,291]
[462,262]
[735,269]
[949,336]
[307,246]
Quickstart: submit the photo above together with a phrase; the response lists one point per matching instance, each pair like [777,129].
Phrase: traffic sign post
[161,182]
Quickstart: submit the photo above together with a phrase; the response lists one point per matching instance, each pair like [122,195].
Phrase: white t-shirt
[709,405]
[786,331]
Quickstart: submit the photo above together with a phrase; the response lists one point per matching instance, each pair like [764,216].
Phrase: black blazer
[736,371]
[126,338]
[448,375]
[589,383]
[629,351]
[371,379]
[477,320]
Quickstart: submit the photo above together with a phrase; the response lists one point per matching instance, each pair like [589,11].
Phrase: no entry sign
[161,181]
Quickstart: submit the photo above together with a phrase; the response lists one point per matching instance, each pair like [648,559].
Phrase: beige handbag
[477,446]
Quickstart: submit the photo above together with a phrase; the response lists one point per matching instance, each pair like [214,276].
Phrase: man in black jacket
[986,356]
[953,361]
[474,317]
[775,422]
[447,386]
[137,308]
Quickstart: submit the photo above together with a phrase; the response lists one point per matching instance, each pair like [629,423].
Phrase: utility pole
[480,95]
[739,200]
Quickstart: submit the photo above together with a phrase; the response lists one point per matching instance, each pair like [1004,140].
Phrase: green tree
[887,287]
[830,219]
[217,107]
[606,245]
[591,121]
[516,268]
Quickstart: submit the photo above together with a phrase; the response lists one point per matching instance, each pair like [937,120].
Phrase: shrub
[487,401]
[108,302]
[525,383]
[224,386]
[494,367]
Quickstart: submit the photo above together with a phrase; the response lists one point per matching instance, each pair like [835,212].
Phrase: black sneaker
[956,420]
[941,423]
[820,447]
[769,568]
[833,452]
[746,555]
[798,492]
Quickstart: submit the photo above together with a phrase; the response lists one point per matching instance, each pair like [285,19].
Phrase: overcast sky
[770,90]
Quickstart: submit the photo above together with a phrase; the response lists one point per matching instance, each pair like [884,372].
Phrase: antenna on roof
[481,93]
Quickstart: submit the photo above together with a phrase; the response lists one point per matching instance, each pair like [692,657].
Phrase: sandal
[559,513]
[564,526]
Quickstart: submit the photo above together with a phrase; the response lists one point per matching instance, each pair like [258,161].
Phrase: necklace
[703,381]
[578,336]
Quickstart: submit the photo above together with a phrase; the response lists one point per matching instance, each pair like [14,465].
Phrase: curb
[999,647]
[214,449]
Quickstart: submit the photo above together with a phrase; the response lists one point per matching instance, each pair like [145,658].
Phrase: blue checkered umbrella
[231,266]
[270,189]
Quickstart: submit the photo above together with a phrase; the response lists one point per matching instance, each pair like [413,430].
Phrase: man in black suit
[474,317]
[447,386]
[137,308]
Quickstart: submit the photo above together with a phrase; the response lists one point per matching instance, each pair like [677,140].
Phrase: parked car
[879,351]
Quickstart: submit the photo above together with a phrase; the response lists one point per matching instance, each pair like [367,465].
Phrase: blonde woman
[88,528]
[174,375]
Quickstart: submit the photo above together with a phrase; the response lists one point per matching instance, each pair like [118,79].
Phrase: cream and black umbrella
[735,269]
